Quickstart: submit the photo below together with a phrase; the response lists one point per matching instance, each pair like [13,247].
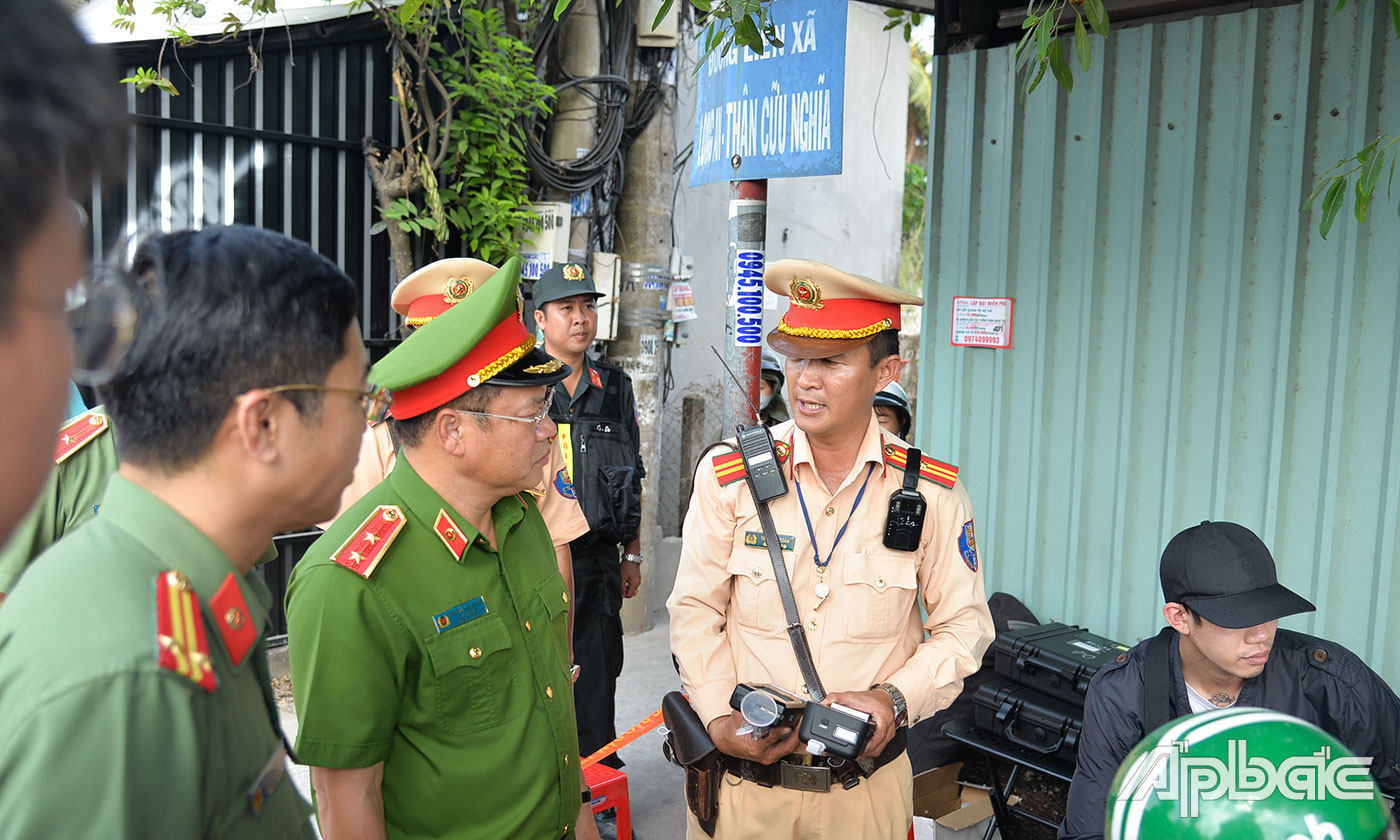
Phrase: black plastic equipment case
[1058,659]
[1029,719]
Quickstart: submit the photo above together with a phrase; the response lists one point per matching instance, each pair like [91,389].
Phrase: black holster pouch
[688,744]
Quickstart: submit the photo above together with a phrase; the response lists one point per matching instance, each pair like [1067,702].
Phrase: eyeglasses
[537,419]
[101,319]
[375,400]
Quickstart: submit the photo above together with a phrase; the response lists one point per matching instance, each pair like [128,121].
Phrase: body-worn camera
[765,706]
[904,524]
[835,730]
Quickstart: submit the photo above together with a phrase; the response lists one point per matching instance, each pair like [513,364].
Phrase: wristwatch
[901,708]
[628,557]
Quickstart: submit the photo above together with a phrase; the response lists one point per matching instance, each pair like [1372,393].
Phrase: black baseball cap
[1225,574]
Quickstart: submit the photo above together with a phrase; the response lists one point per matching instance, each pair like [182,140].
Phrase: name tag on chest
[755,539]
[459,615]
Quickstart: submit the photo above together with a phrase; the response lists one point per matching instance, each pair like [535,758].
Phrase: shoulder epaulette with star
[77,433]
[930,469]
[180,641]
[364,548]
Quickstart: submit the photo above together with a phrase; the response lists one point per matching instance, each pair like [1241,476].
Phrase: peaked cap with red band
[480,338]
[830,311]
[436,287]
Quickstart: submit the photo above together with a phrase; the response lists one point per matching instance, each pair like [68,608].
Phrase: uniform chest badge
[595,378]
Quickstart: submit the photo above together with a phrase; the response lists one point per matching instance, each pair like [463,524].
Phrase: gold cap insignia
[519,305]
[545,367]
[805,293]
[456,289]
[573,272]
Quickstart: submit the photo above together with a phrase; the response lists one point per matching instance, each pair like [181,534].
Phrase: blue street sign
[780,112]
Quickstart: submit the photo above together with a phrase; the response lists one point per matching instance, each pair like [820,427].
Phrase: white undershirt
[1199,703]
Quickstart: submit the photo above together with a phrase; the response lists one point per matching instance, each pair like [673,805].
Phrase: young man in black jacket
[596,413]
[1223,648]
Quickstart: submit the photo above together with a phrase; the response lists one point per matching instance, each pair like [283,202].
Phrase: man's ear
[448,428]
[1176,616]
[257,425]
[889,370]
[539,315]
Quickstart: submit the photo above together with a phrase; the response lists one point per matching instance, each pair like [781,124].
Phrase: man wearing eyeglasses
[134,692]
[427,627]
[56,98]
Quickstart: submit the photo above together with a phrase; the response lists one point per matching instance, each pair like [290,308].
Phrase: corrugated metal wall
[1185,345]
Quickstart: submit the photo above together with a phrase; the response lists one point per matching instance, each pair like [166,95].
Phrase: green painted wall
[1185,345]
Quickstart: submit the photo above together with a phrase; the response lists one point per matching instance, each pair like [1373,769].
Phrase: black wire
[600,171]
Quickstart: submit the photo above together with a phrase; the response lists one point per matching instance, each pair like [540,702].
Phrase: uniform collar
[427,506]
[182,547]
[871,446]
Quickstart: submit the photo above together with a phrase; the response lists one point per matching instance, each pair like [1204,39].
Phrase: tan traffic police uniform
[861,613]
[420,297]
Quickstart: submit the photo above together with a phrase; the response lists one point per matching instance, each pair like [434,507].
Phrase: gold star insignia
[371,537]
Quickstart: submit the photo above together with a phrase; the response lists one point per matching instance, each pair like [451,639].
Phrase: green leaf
[702,5]
[1060,67]
[894,13]
[1029,21]
[1331,203]
[1098,18]
[1040,74]
[1370,173]
[908,31]
[409,9]
[1042,38]
[1362,205]
[1081,44]
[559,8]
[891,25]
[661,15]
[746,33]
[1340,4]
[1395,16]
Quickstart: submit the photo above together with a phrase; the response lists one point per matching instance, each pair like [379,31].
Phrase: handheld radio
[758,450]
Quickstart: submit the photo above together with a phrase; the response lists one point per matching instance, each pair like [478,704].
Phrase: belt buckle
[809,779]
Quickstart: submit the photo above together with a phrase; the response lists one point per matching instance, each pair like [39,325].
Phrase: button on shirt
[727,620]
[474,724]
[97,739]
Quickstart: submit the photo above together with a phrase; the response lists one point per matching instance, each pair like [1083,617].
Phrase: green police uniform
[86,457]
[134,694]
[449,662]
[415,643]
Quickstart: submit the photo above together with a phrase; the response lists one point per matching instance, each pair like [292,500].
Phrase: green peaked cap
[482,338]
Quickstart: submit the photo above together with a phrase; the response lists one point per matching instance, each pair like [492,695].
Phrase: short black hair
[412,430]
[62,120]
[1192,613]
[884,344]
[222,311]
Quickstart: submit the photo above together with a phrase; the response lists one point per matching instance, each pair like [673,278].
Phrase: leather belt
[817,774]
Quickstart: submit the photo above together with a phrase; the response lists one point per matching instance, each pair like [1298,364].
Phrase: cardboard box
[947,810]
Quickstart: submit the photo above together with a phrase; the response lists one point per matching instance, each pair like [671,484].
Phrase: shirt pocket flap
[555,597]
[753,564]
[879,570]
[469,645]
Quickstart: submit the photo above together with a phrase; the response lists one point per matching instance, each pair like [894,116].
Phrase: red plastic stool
[609,786]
